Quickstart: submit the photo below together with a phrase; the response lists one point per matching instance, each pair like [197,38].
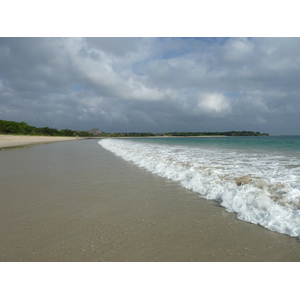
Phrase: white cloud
[214,103]
[238,49]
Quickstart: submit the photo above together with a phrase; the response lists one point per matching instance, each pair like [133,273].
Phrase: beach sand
[79,202]
[22,140]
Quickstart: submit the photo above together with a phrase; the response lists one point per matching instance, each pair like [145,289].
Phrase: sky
[152,84]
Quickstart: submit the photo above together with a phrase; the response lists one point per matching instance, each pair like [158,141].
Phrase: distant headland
[183,134]
[22,128]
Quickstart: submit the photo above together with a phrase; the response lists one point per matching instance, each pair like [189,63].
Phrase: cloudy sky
[152,84]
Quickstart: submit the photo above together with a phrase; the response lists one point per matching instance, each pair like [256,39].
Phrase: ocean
[255,177]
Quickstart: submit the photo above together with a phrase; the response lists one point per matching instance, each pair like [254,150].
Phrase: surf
[261,187]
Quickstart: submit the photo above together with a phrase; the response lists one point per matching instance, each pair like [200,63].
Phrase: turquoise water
[258,178]
[268,143]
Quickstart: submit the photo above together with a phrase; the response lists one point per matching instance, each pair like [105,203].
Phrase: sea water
[258,178]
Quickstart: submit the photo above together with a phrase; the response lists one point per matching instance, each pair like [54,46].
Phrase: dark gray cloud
[152,84]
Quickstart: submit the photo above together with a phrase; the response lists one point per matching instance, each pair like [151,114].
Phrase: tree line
[148,134]
[22,128]
[226,133]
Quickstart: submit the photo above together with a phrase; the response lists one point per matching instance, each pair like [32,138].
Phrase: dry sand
[22,140]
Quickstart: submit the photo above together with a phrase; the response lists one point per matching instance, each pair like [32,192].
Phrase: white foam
[262,189]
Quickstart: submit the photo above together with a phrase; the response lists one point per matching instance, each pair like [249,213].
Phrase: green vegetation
[22,128]
[127,134]
[227,133]
[147,134]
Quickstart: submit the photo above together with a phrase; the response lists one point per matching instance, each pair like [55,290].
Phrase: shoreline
[10,140]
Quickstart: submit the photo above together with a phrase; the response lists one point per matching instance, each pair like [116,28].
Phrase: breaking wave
[260,188]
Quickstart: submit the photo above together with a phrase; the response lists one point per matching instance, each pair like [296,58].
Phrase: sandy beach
[79,202]
[22,140]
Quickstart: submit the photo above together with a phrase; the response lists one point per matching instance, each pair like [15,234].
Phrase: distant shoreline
[153,137]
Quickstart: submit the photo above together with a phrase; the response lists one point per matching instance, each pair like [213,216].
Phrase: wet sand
[22,140]
[79,202]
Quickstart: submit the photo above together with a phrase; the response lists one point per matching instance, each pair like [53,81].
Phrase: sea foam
[260,188]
